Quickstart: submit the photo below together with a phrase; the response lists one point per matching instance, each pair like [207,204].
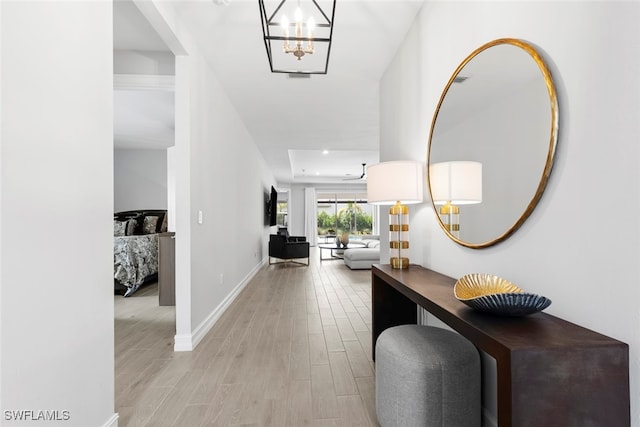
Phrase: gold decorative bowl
[495,295]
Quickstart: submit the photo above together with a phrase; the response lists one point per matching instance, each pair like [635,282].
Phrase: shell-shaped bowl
[480,284]
[494,295]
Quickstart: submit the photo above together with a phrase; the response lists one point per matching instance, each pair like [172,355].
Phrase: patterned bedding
[135,260]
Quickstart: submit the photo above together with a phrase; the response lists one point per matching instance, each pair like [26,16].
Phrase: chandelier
[301,46]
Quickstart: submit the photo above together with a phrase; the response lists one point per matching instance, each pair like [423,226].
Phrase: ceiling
[312,130]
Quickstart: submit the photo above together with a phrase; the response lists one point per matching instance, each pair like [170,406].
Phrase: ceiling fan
[363,176]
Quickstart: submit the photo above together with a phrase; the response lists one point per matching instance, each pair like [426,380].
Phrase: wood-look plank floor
[294,349]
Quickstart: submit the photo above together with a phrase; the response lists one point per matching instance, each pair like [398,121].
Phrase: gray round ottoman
[427,376]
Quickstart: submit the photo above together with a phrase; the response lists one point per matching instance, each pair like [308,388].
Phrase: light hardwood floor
[294,349]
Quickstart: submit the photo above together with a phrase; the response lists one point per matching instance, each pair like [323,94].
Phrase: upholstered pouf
[427,376]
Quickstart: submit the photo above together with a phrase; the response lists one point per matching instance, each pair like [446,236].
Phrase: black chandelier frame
[268,22]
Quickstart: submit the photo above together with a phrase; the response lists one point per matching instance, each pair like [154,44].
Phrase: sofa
[363,258]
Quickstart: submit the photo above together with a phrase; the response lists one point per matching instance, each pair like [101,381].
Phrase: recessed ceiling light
[325,151]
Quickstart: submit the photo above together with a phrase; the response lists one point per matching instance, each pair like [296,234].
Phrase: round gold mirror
[492,143]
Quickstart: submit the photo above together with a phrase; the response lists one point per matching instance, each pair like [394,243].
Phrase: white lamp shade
[390,182]
[459,183]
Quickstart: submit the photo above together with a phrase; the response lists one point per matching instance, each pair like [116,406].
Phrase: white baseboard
[188,342]
[112,422]
[182,342]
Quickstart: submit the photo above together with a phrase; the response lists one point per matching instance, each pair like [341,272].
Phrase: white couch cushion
[358,254]
[361,258]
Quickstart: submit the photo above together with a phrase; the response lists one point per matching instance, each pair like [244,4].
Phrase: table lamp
[453,184]
[396,183]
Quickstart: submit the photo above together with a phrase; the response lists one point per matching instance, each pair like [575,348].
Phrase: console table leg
[390,308]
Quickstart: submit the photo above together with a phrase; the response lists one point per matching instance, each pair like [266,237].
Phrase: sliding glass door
[340,213]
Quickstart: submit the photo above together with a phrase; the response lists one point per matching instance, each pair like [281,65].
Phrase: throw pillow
[131,227]
[119,228]
[150,224]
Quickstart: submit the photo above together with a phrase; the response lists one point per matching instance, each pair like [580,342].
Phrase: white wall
[57,168]
[171,189]
[296,210]
[56,211]
[220,172]
[227,185]
[140,179]
[143,62]
[580,247]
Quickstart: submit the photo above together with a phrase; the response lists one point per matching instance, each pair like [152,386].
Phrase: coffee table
[335,251]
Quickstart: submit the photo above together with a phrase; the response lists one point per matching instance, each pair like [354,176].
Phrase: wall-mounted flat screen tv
[273,207]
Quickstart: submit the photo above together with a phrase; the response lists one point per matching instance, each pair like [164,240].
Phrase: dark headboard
[139,215]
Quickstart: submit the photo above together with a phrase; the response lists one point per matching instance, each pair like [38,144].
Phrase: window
[344,212]
[282,209]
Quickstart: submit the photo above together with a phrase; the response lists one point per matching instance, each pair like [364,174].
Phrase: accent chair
[288,248]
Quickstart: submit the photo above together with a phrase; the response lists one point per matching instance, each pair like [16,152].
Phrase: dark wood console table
[550,372]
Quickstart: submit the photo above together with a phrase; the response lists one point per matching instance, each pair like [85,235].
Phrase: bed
[135,248]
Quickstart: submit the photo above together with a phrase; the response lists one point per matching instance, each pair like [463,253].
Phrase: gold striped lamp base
[399,263]
[398,235]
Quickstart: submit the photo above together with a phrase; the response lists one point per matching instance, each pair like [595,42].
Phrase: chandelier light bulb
[297,47]
[311,24]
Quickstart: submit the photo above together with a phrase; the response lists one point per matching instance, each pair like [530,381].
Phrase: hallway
[292,350]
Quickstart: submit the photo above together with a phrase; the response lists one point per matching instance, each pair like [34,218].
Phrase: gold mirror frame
[553,137]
